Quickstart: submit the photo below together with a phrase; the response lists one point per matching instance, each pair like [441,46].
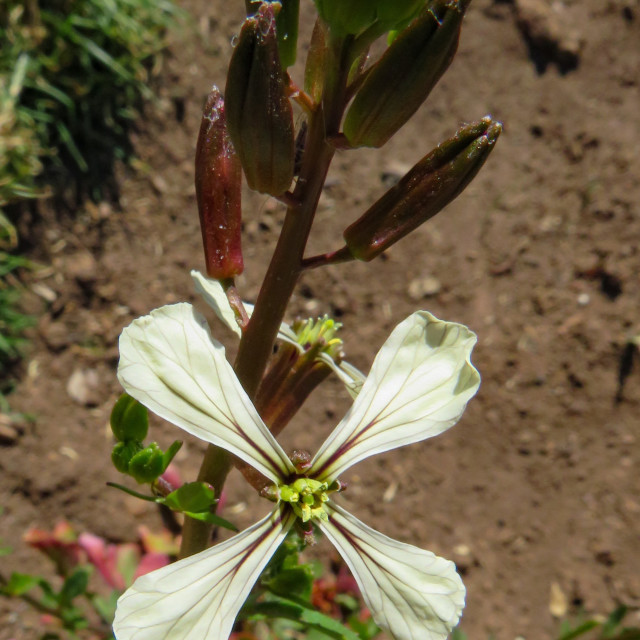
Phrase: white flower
[213,294]
[418,387]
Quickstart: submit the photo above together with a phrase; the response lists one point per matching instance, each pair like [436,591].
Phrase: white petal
[352,378]
[419,385]
[172,365]
[199,597]
[288,335]
[214,295]
[411,593]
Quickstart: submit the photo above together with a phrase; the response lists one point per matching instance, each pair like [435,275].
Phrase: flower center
[320,333]
[307,497]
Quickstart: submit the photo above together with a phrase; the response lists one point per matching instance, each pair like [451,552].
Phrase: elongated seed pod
[404,76]
[259,114]
[218,192]
[432,183]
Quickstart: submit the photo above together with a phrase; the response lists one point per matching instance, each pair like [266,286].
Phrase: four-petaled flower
[419,385]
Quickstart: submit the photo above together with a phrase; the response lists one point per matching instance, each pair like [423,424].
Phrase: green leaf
[579,630]
[75,585]
[192,496]
[106,607]
[613,621]
[211,518]
[195,500]
[278,607]
[296,581]
[368,629]
[73,618]
[347,601]
[20,583]
[170,453]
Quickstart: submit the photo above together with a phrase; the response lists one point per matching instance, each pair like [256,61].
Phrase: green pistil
[307,497]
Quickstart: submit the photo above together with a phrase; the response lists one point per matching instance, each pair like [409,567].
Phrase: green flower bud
[287,494]
[129,419]
[148,464]
[434,182]
[347,17]
[354,16]
[287,18]
[123,452]
[218,192]
[405,74]
[287,28]
[259,114]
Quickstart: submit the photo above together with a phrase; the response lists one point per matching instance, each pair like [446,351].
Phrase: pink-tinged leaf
[61,545]
[110,560]
[150,562]
[162,542]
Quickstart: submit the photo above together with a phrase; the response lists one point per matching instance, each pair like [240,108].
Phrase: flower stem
[283,272]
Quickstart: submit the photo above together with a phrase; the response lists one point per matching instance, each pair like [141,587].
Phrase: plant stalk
[283,272]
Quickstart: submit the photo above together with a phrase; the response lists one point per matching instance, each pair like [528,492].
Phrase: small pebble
[8,434]
[83,387]
[424,287]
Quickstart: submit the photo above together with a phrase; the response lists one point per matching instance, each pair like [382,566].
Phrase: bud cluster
[130,424]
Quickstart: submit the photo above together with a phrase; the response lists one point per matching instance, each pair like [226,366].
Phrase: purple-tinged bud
[218,192]
[259,114]
[305,532]
[404,76]
[434,182]
[301,460]
[317,59]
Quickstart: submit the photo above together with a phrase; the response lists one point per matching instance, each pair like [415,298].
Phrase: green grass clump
[74,75]
[12,321]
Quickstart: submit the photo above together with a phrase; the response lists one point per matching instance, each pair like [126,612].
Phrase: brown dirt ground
[538,484]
